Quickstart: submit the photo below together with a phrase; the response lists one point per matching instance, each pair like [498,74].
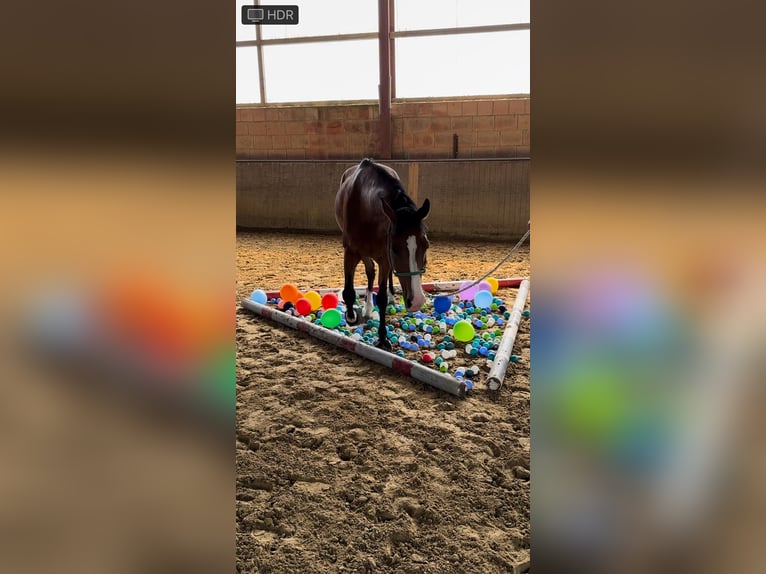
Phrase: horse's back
[357,204]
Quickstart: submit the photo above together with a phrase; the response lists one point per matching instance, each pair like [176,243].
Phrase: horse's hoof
[353,319]
[384,344]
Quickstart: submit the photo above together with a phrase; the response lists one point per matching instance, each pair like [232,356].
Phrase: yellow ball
[494,284]
[315,299]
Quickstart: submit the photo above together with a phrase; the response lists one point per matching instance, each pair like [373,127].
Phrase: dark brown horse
[380,223]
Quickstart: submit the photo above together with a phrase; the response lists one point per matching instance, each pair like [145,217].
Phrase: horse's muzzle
[413,303]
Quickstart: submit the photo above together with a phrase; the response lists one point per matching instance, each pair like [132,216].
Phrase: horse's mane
[399,198]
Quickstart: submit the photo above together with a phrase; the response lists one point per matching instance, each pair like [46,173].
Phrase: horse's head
[408,244]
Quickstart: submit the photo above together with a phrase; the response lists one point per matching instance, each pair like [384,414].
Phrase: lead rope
[491,271]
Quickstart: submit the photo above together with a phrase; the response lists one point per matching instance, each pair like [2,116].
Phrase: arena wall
[484,128]
[487,199]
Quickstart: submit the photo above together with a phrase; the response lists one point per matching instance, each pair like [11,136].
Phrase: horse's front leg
[391,285]
[350,261]
[383,271]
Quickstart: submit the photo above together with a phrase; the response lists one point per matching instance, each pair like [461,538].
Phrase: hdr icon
[270,14]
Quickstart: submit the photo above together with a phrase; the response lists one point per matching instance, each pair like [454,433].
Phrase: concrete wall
[469,198]
[485,128]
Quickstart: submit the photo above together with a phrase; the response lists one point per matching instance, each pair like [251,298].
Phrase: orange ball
[289,292]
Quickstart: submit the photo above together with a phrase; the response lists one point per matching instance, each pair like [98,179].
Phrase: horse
[381,224]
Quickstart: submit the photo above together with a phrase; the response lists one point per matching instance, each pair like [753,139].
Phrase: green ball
[330,318]
[463,331]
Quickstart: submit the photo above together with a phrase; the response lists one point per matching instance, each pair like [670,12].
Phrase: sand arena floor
[346,466]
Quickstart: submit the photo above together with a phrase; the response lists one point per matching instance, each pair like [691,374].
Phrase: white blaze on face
[418,298]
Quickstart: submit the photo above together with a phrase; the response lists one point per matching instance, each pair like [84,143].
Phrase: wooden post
[412,181]
[384,88]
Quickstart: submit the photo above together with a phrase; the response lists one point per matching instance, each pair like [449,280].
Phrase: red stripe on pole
[402,366]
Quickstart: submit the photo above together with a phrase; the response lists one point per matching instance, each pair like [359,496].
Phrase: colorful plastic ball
[443,367]
[526,313]
[514,359]
[331,318]
[428,358]
[303,306]
[259,296]
[329,301]
[463,331]
[287,305]
[289,292]
[468,293]
[484,286]
[494,284]
[483,299]
[315,299]
[442,304]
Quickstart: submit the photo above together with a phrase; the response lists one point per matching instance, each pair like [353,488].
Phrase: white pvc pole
[426,375]
[503,355]
[429,287]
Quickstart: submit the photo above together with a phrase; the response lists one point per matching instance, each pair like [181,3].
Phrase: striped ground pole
[418,372]
[427,287]
[503,355]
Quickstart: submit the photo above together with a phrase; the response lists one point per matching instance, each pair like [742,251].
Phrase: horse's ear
[389,212]
[424,209]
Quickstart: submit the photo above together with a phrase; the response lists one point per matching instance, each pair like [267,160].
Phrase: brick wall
[485,128]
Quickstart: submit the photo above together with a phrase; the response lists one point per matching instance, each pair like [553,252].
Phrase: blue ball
[259,296]
[442,304]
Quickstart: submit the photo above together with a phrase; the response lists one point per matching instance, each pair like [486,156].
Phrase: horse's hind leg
[391,285]
[369,269]
[350,261]
[383,341]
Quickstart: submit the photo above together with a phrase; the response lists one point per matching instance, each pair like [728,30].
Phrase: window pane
[463,65]
[243,32]
[247,76]
[321,71]
[327,17]
[424,14]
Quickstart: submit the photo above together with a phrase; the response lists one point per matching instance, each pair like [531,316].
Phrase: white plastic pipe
[423,374]
[503,355]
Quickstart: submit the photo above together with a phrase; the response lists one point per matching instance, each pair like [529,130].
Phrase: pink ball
[469,293]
